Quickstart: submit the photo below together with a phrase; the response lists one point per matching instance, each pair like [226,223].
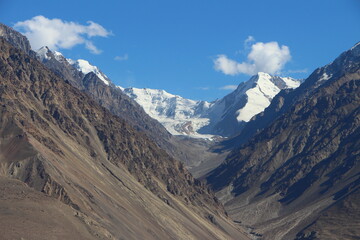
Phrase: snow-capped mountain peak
[201,119]
[43,53]
[85,67]
[58,56]
[259,96]
[221,117]
[179,115]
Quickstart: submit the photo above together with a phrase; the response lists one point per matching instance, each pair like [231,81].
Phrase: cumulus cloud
[263,57]
[229,87]
[122,58]
[58,34]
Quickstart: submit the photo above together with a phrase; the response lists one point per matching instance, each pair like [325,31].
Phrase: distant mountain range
[224,117]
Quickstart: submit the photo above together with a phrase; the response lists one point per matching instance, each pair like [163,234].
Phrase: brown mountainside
[112,181]
[196,154]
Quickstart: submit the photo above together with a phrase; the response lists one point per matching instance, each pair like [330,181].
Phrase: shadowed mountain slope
[340,221]
[305,160]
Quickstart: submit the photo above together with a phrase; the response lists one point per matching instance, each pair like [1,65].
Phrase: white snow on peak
[43,53]
[262,75]
[259,96]
[58,56]
[85,67]
[291,83]
[121,88]
[180,116]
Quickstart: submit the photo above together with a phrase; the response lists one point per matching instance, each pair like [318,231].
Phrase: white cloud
[229,87]
[263,57]
[56,33]
[90,46]
[122,58]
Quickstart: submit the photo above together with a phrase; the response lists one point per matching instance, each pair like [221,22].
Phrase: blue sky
[194,48]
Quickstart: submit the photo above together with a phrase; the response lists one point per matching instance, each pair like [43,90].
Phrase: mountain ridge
[224,117]
[199,119]
[304,159]
[102,169]
[111,97]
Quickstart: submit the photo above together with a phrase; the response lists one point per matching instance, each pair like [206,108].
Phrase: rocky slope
[340,221]
[81,74]
[304,161]
[16,39]
[106,175]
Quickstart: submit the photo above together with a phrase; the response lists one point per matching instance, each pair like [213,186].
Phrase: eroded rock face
[115,180]
[15,38]
[305,159]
